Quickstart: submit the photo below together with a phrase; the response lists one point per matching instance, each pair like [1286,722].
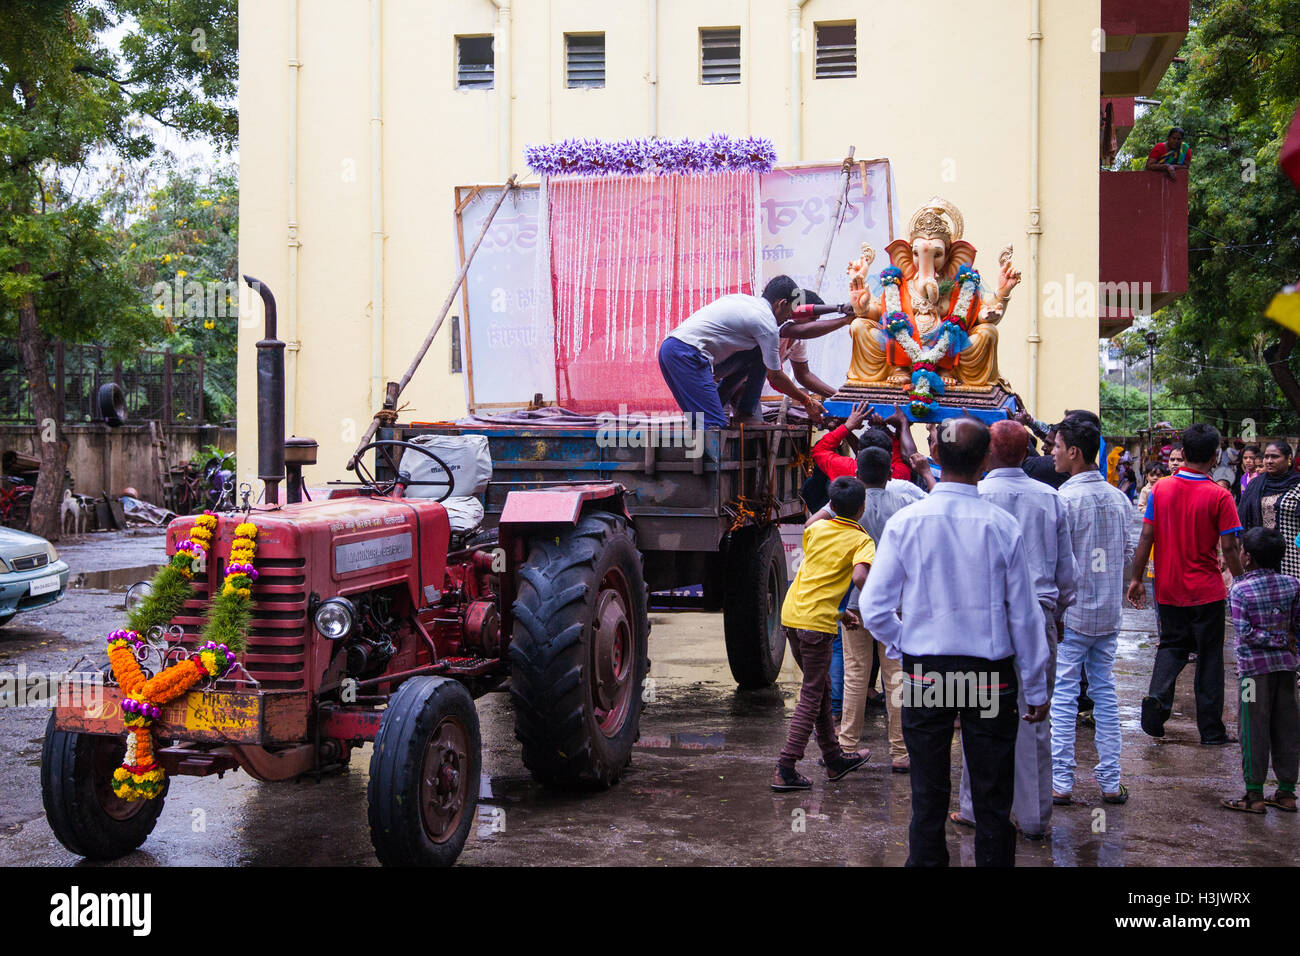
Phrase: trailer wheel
[424,774]
[76,788]
[751,615]
[579,653]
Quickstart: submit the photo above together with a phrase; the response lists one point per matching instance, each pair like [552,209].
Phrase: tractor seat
[470,464]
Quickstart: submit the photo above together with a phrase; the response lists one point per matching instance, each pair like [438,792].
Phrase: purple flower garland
[591,157]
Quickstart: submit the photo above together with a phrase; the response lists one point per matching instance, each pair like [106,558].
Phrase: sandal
[1119,796]
[1283,801]
[787,778]
[1061,799]
[961,821]
[1246,804]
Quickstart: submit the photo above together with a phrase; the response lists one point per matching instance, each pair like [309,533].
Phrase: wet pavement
[696,792]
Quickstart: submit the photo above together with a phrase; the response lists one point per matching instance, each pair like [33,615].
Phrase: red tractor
[379,616]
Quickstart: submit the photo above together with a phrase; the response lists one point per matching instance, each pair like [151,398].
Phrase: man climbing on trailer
[742,332]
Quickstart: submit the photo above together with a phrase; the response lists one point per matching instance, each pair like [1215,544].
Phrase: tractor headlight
[335,618]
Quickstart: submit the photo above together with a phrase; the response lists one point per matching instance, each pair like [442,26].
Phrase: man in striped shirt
[1099,515]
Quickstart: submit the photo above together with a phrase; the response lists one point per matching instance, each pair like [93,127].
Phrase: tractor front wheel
[755,585]
[77,790]
[580,653]
[424,774]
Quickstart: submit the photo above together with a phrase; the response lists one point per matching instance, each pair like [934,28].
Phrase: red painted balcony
[1143,261]
[1142,38]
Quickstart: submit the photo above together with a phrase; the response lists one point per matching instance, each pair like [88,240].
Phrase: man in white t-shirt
[746,329]
[731,375]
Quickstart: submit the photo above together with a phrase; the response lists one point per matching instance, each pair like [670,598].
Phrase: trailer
[705,511]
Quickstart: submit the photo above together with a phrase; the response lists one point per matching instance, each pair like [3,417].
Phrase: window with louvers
[837,50]
[584,57]
[720,55]
[474,63]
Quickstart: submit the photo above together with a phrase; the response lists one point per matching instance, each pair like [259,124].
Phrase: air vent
[837,50]
[474,63]
[720,55]
[584,58]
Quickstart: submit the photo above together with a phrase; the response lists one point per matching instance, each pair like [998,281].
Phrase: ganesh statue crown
[929,341]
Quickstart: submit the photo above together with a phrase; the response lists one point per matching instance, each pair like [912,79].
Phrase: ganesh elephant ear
[900,255]
[960,253]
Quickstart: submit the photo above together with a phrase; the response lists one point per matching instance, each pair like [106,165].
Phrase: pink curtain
[631,258]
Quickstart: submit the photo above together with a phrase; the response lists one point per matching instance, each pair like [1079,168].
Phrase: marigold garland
[140,777]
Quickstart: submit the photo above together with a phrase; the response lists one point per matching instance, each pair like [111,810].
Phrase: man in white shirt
[956,565]
[1044,522]
[692,356]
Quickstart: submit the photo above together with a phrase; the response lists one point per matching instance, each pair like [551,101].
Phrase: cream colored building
[355,129]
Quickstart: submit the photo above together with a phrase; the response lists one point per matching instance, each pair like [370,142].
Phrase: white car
[31,573]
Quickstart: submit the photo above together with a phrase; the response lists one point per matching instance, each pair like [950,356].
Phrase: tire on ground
[755,586]
[416,714]
[85,815]
[554,682]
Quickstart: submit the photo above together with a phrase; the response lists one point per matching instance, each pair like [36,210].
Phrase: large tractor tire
[80,806]
[754,588]
[424,774]
[580,653]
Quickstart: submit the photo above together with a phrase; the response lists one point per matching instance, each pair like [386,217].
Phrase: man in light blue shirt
[1044,522]
[956,565]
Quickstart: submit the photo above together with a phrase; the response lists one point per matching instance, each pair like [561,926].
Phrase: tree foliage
[1234,95]
[67,100]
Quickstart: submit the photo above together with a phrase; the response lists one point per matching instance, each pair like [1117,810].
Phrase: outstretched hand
[857,416]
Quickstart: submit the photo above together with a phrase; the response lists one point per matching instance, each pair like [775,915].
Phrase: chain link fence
[160,386]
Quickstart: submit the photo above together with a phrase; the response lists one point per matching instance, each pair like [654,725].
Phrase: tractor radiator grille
[277,645]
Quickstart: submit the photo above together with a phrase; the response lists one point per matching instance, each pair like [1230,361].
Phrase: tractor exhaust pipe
[270,400]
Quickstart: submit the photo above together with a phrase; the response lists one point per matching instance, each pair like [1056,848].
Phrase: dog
[71,507]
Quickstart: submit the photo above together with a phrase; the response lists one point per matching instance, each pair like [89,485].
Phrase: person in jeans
[1188,519]
[1099,522]
[1041,514]
[1265,607]
[974,636]
[836,550]
[745,331]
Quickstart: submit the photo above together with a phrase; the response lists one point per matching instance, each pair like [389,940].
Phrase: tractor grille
[31,562]
[277,647]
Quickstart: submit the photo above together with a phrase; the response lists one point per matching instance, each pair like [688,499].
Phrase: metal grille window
[837,50]
[584,59]
[474,63]
[720,55]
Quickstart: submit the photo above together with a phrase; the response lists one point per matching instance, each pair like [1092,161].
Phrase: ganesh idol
[931,325]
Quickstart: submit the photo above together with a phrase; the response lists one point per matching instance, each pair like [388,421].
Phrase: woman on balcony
[1173,152]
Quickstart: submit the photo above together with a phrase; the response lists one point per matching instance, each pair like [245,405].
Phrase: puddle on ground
[116,580]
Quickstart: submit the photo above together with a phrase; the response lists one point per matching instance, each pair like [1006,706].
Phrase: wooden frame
[464,195]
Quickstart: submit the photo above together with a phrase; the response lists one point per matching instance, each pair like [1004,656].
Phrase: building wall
[943,91]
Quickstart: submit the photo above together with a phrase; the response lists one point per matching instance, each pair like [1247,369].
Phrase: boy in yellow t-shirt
[836,551]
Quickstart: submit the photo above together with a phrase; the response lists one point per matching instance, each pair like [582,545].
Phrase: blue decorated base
[988,405]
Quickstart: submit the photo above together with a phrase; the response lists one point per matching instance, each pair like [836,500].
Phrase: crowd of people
[984,584]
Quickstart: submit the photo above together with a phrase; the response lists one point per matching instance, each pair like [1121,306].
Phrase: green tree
[1234,95]
[68,100]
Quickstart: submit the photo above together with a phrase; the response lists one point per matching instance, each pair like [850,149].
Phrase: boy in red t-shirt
[1189,518]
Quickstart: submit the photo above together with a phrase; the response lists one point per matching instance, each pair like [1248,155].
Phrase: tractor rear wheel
[755,585]
[77,790]
[424,774]
[579,653]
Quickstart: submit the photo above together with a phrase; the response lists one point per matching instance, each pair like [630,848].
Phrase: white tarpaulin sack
[470,464]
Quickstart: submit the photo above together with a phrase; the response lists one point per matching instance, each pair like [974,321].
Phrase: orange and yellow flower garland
[140,777]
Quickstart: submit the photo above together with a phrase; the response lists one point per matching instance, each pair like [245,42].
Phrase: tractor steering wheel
[386,487]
